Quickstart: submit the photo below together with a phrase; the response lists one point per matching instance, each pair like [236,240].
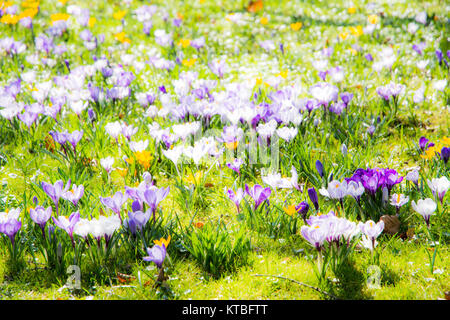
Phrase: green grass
[404,270]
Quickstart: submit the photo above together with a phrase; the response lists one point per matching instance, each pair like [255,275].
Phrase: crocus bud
[313,197]
[445,153]
[423,143]
[439,56]
[344,149]
[91,114]
[316,122]
[302,209]
[319,168]
[385,197]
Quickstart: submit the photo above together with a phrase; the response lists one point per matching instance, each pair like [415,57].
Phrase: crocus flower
[439,187]
[355,189]
[324,93]
[372,230]
[398,200]
[319,168]
[439,56]
[40,216]
[371,130]
[445,154]
[346,97]
[28,118]
[315,234]
[258,194]
[425,207]
[413,176]
[153,197]
[156,254]
[68,225]
[74,138]
[391,178]
[107,164]
[10,228]
[137,220]
[74,195]
[313,197]
[335,190]
[419,47]
[236,197]
[235,165]
[115,202]
[55,191]
[423,143]
[302,208]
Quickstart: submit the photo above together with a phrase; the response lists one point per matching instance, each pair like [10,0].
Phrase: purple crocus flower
[91,114]
[74,138]
[384,92]
[423,143]
[86,35]
[338,108]
[319,168]
[60,137]
[136,206]
[315,234]
[40,216]
[346,97]
[137,220]
[258,194]
[445,153]
[198,43]
[107,72]
[236,197]
[55,191]
[177,22]
[313,197]
[371,130]
[162,89]
[28,117]
[147,27]
[391,178]
[156,254]
[302,208]
[115,202]
[68,225]
[153,197]
[235,165]
[322,75]
[372,180]
[10,228]
[368,57]
[439,56]
[218,67]
[419,47]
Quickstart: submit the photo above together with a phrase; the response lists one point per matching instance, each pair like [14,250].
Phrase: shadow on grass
[351,283]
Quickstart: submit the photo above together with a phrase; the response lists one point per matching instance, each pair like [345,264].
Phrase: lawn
[224,150]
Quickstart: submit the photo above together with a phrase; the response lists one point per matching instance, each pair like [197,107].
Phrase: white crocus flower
[425,207]
[439,187]
[335,190]
[107,163]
